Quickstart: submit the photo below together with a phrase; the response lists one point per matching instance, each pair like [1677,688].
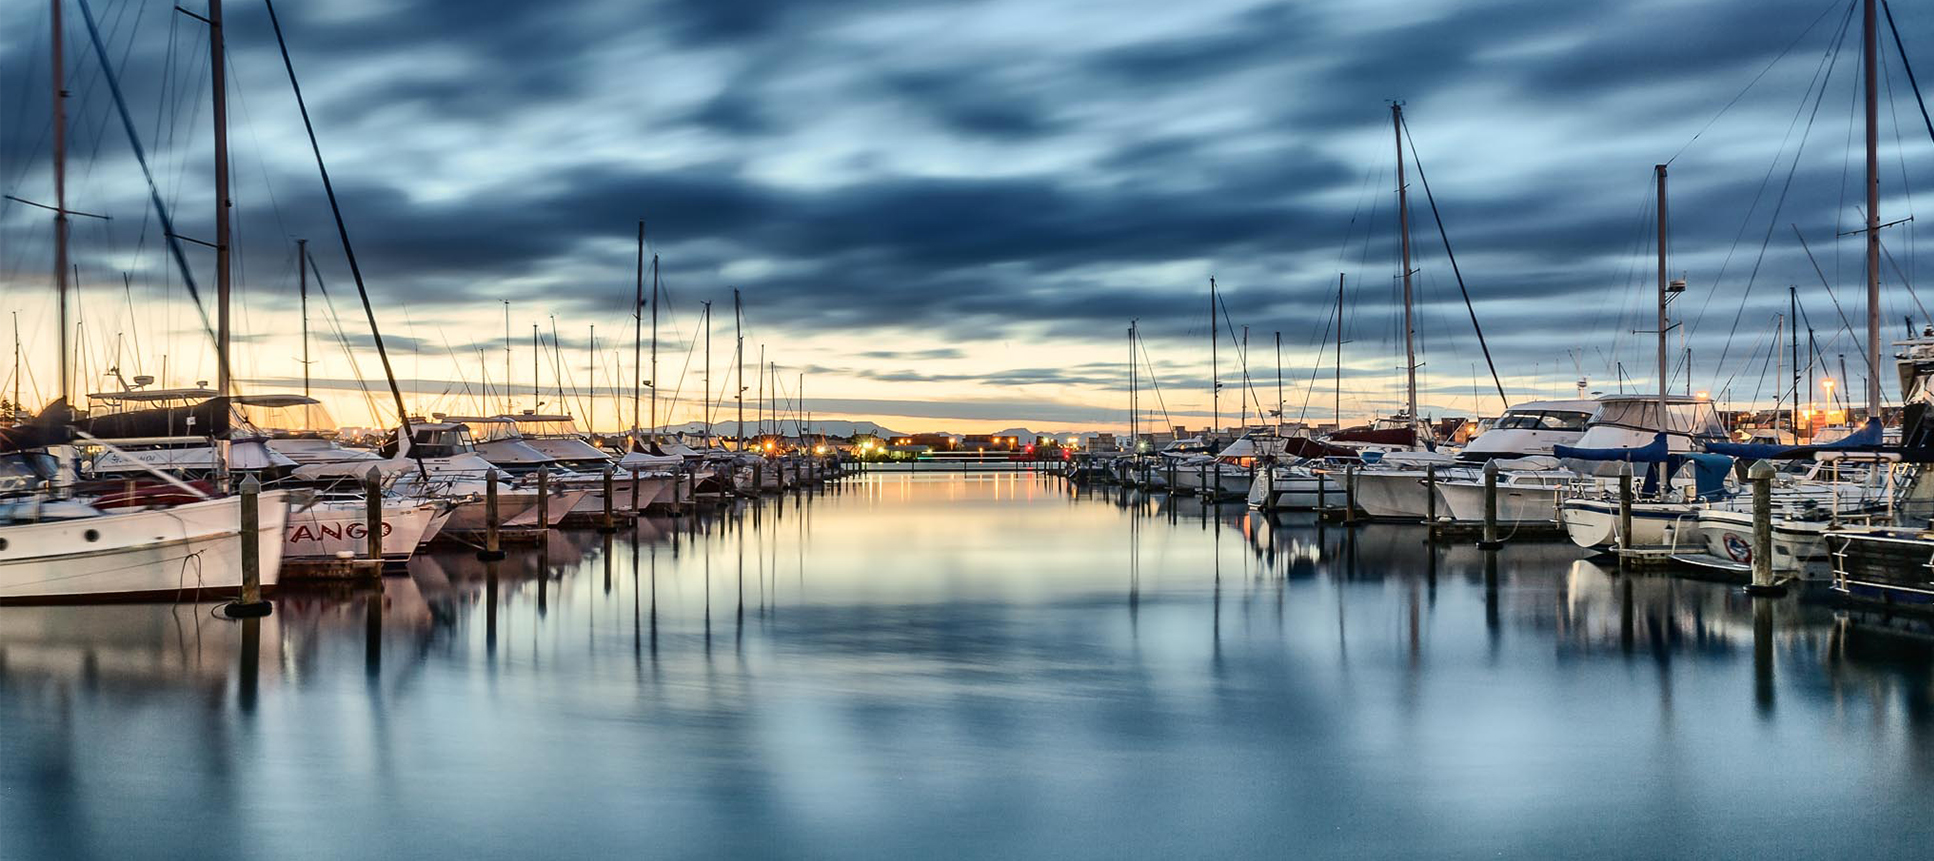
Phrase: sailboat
[59,543]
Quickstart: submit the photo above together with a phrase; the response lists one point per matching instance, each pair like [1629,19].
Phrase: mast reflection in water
[991,666]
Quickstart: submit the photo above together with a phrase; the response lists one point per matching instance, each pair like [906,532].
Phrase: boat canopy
[1867,437]
[1652,452]
[286,415]
[1694,416]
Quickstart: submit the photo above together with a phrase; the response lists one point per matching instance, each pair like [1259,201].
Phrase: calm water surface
[972,666]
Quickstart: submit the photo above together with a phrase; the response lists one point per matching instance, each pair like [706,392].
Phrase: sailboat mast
[1338,391]
[1871,60]
[654,343]
[708,374]
[1665,424]
[1248,392]
[506,391]
[1134,414]
[591,373]
[60,204]
[738,334]
[638,330]
[1409,313]
[1793,304]
[761,397]
[302,288]
[537,352]
[1215,370]
[1279,382]
[218,80]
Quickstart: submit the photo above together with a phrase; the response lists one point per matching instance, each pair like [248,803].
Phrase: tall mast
[1409,315]
[1248,393]
[591,373]
[1134,414]
[505,386]
[638,331]
[1873,210]
[738,334]
[761,398]
[1279,381]
[1338,391]
[654,343]
[218,79]
[302,287]
[708,374]
[1793,410]
[1665,423]
[1793,304]
[537,351]
[14,417]
[60,204]
[1215,371]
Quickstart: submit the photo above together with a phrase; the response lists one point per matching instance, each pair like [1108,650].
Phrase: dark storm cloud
[967,172]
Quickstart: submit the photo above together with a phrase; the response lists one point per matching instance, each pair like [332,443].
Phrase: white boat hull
[1464,501]
[185,550]
[329,528]
[1656,526]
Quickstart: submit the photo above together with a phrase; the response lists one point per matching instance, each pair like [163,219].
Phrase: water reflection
[970,665]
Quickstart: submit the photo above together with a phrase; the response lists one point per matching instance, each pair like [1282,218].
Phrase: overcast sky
[946,215]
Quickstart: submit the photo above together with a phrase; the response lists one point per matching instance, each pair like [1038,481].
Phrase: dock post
[691,490]
[250,604]
[1349,494]
[544,503]
[758,476]
[1322,493]
[635,510]
[373,515]
[1430,501]
[1490,541]
[610,522]
[1761,477]
[493,547]
[1624,505]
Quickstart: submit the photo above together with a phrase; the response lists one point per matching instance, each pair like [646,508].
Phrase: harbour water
[972,665]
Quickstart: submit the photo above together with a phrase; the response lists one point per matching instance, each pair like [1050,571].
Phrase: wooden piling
[250,604]
[544,502]
[1625,506]
[1430,500]
[373,514]
[610,522]
[493,545]
[1349,494]
[1490,541]
[1761,477]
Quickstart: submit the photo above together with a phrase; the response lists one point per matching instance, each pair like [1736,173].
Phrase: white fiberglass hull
[184,550]
[1281,489]
[1799,546]
[1594,525]
[1517,503]
[329,528]
[1393,494]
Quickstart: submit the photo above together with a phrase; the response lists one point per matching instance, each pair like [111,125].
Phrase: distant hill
[829,427]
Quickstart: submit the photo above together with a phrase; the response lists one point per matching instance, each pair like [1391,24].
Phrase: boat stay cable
[349,251]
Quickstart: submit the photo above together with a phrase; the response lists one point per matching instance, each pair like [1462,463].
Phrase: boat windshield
[442,442]
[1551,420]
[548,427]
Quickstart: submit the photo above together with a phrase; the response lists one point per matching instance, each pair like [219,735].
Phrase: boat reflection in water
[970,665]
